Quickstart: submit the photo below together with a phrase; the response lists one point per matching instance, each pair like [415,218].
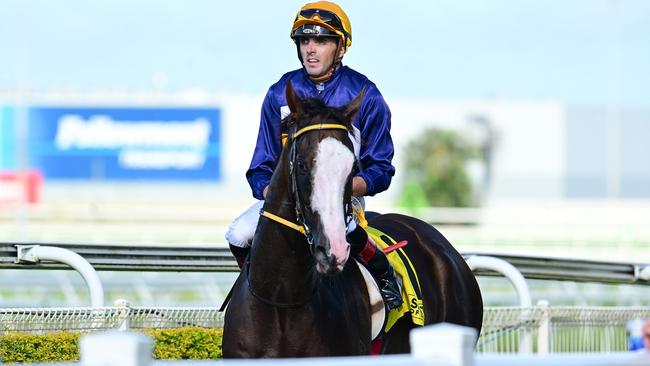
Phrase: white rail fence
[525,329]
[86,259]
[89,319]
[549,329]
[217,258]
[557,329]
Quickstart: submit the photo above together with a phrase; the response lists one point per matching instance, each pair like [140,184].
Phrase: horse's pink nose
[340,250]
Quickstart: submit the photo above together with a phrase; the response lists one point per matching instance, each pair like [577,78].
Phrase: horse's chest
[310,332]
[336,322]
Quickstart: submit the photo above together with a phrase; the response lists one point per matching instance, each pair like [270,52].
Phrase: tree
[435,170]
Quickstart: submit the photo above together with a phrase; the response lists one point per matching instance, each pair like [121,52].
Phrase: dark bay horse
[298,295]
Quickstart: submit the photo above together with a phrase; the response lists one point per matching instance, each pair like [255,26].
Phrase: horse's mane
[312,108]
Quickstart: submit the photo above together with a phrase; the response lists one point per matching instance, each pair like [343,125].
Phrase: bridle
[301,226]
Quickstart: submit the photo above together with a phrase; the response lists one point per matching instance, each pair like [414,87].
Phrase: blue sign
[7,139]
[125,143]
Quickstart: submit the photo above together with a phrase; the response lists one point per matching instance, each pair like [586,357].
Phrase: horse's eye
[301,164]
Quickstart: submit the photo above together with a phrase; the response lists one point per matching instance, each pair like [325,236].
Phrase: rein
[278,219]
[300,226]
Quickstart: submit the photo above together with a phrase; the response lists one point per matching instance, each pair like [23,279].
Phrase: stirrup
[390,287]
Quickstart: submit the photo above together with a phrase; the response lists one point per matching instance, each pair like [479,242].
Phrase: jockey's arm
[359,186]
[267,148]
[377,150]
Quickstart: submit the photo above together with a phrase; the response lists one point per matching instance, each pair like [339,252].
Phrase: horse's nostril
[320,253]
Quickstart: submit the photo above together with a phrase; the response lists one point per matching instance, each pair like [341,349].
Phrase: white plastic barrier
[116,348]
[440,345]
[434,345]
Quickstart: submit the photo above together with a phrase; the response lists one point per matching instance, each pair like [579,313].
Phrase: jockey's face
[318,54]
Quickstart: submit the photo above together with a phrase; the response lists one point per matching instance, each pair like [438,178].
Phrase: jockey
[322,34]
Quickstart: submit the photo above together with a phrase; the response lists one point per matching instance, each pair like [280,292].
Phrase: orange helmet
[322,18]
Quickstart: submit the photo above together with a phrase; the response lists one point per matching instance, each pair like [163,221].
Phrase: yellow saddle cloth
[411,291]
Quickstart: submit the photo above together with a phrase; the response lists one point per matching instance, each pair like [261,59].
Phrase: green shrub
[186,343]
[169,344]
[50,347]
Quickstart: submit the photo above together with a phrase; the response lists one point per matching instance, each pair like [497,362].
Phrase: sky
[581,52]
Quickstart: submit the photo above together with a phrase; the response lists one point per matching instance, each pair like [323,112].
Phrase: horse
[298,295]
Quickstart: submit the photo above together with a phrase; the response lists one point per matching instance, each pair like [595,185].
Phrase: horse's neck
[281,266]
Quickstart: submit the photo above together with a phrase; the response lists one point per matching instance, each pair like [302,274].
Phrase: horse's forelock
[312,109]
[289,120]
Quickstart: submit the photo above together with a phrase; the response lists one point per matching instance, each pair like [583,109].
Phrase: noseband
[301,225]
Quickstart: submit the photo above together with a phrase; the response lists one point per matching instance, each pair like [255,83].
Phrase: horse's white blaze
[333,164]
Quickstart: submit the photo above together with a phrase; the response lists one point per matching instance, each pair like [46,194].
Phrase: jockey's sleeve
[376,143]
[267,149]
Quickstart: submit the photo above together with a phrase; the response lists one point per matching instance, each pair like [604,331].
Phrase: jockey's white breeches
[241,231]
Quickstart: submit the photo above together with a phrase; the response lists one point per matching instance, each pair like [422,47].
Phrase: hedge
[169,344]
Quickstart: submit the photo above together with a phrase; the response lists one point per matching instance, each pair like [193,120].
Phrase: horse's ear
[292,99]
[352,108]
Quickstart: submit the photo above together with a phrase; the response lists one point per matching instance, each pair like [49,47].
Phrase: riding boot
[375,260]
[240,254]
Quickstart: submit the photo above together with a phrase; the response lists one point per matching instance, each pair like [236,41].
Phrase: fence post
[443,344]
[115,349]
[544,330]
[123,314]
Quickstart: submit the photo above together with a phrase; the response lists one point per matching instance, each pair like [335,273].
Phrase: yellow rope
[358,211]
[284,222]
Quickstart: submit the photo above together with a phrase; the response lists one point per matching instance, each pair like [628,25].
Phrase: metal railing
[552,329]
[118,317]
[541,328]
[217,258]
[132,257]
[558,329]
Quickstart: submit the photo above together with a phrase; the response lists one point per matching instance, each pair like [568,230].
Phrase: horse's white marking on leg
[333,164]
